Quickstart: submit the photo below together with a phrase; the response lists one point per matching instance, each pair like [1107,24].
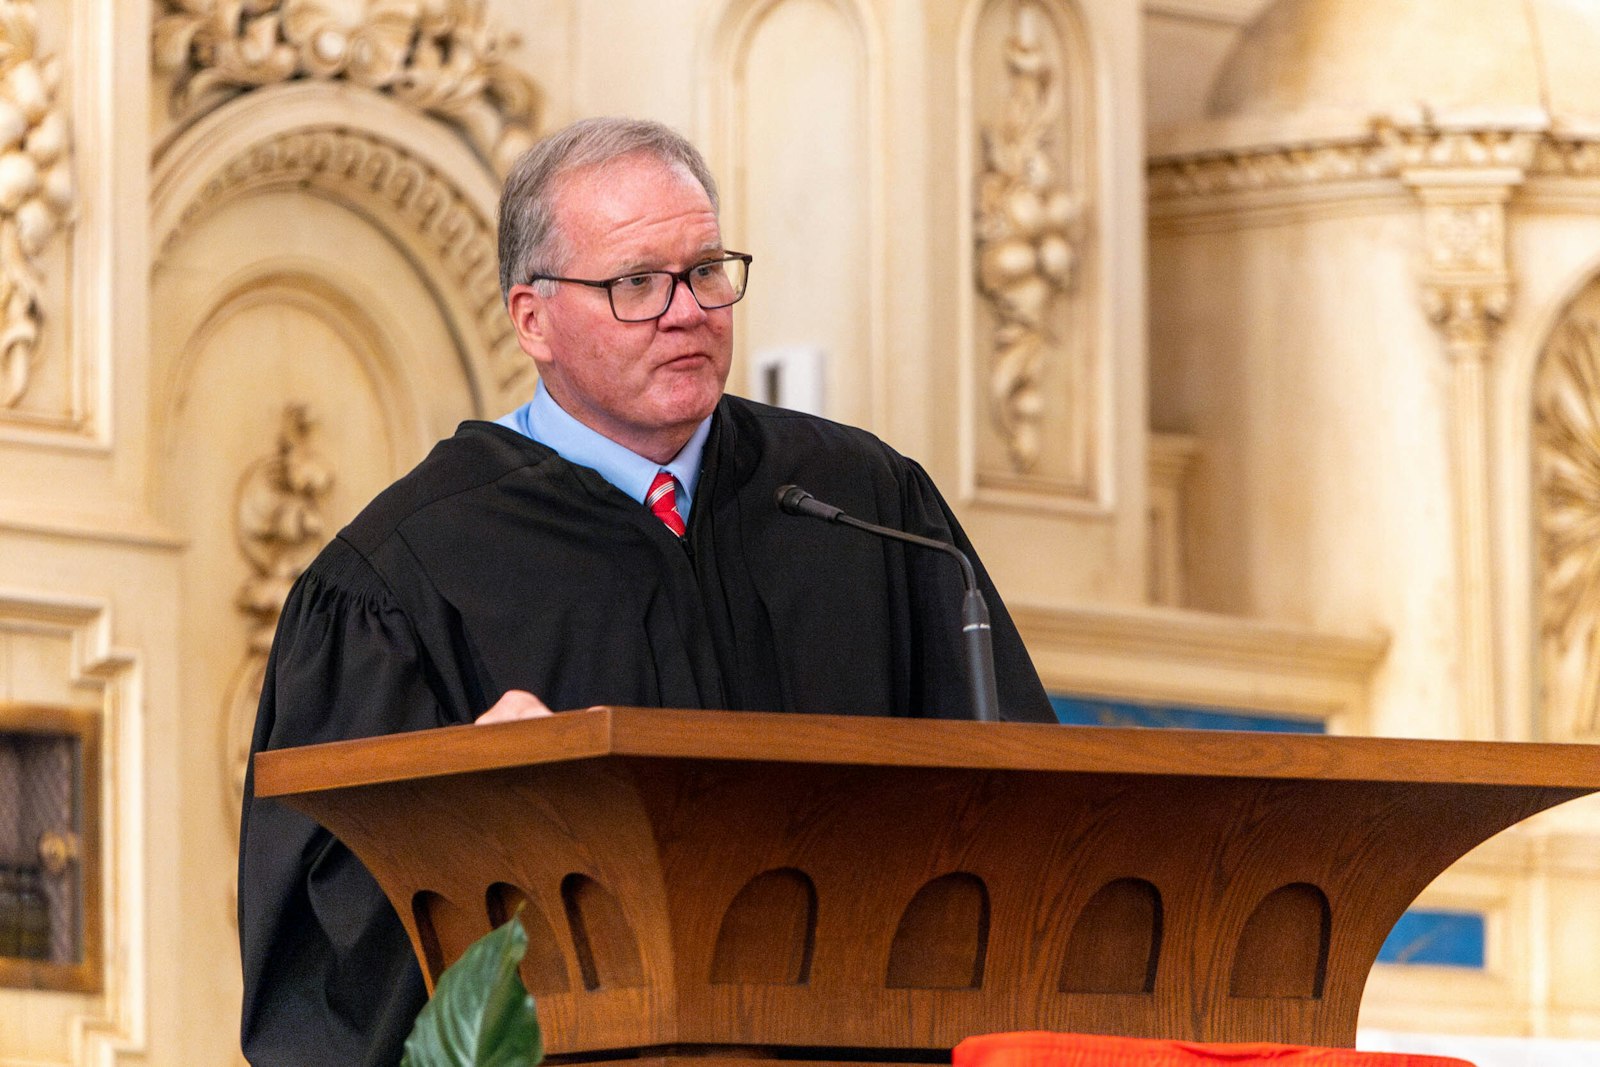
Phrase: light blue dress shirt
[543,420]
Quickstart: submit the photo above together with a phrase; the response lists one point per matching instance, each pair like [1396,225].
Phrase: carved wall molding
[1162,655]
[412,197]
[279,527]
[1567,157]
[1028,224]
[1207,174]
[1170,460]
[1035,386]
[1466,280]
[1566,479]
[439,57]
[37,194]
[110,1027]
[1385,151]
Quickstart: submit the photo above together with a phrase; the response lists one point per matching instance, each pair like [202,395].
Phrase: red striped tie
[662,500]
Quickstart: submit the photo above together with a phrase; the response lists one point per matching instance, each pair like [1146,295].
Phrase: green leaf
[481,1014]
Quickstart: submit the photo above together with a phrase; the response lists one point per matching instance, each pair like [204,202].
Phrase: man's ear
[527,309]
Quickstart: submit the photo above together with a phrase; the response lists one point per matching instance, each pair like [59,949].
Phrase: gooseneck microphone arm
[975,631]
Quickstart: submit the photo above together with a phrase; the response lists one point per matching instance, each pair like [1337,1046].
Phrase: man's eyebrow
[640,266]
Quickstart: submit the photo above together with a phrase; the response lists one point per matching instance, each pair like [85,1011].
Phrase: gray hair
[530,241]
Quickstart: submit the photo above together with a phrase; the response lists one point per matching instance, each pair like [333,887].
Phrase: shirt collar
[547,423]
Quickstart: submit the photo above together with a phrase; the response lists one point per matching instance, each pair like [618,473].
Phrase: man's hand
[515,704]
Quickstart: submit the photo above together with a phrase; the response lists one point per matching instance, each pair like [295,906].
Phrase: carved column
[1463,180]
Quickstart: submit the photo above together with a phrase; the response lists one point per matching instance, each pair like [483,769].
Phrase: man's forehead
[582,188]
[624,214]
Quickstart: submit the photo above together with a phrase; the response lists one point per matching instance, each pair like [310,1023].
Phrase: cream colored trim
[1169,459]
[130,528]
[1233,211]
[113,1025]
[1193,658]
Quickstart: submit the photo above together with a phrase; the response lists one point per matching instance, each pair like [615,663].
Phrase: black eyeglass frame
[672,294]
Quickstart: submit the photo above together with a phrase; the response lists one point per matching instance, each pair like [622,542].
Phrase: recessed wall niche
[49,849]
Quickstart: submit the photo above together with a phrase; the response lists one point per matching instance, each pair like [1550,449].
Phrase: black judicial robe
[497,565]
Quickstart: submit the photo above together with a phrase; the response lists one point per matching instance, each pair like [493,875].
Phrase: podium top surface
[931,743]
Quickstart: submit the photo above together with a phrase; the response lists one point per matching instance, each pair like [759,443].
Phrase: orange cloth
[1038,1048]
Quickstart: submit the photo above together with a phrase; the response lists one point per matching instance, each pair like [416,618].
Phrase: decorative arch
[1565,491]
[386,179]
[408,176]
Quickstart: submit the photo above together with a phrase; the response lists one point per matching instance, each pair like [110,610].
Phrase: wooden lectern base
[787,885]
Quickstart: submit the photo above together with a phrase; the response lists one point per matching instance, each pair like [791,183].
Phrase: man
[614,541]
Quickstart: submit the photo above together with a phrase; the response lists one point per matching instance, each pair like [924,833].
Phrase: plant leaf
[481,1014]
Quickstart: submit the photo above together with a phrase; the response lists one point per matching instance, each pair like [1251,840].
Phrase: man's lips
[684,361]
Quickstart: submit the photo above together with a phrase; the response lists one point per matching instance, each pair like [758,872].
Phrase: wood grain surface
[840,888]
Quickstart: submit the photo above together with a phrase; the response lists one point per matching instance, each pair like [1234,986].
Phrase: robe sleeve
[935,586]
[329,973]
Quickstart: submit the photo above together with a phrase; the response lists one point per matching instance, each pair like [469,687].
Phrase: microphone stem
[980,656]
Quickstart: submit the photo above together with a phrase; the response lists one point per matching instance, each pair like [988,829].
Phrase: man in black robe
[518,567]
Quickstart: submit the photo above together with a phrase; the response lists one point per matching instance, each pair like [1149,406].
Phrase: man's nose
[682,309]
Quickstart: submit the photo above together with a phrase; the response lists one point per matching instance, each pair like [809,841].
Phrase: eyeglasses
[647,295]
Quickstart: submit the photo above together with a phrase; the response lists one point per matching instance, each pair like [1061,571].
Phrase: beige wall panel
[634,57]
[801,195]
[544,47]
[1321,398]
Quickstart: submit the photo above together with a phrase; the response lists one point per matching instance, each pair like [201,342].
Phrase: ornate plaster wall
[263,287]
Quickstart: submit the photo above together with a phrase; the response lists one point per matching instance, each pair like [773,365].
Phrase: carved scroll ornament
[36,189]
[1567,487]
[279,527]
[440,57]
[1027,228]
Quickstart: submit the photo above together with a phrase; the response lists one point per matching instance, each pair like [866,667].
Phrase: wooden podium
[823,888]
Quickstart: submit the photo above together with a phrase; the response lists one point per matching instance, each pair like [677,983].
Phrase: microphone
[975,632]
